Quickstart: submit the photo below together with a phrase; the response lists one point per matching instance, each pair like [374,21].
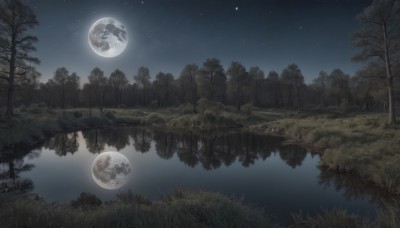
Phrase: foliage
[86,201]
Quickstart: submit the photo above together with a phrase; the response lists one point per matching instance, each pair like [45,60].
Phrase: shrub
[128,197]
[155,118]
[247,109]
[86,201]
[185,108]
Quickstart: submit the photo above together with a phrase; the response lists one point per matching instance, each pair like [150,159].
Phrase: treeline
[234,86]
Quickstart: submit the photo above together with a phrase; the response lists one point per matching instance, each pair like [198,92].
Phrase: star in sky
[236,8]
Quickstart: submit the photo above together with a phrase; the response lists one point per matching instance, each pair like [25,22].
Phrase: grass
[362,144]
[337,218]
[178,209]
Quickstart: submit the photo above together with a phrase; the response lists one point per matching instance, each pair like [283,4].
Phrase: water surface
[282,179]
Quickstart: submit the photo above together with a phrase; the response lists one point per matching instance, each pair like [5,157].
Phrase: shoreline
[304,132]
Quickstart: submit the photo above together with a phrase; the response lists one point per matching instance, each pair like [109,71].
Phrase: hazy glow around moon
[108,37]
[110,170]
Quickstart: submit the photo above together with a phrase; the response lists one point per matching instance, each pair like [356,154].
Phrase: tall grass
[179,209]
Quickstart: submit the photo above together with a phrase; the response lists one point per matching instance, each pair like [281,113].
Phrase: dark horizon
[167,35]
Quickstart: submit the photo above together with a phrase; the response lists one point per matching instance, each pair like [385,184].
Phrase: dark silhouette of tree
[294,81]
[257,78]
[379,40]
[98,82]
[26,86]
[189,83]
[371,74]
[141,140]
[95,141]
[16,44]
[73,89]
[274,87]
[116,137]
[238,79]
[163,86]
[88,96]
[64,143]
[321,84]
[60,78]
[292,155]
[142,78]
[165,144]
[118,82]
[212,80]
[339,86]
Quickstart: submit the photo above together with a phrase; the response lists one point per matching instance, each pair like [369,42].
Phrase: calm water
[281,179]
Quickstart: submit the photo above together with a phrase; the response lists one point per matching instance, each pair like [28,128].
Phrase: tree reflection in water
[11,166]
[207,149]
[63,143]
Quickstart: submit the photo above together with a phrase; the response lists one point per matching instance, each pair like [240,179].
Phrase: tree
[73,89]
[26,86]
[88,95]
[15,44]
[118,82]
[294,81]
[379,40]
[61,77]
[238,78]
[320,84]
[142,78]
[339,89]
[98,82]
[273,85]
[212,80]
[163,88]
[188,80]
[257,77]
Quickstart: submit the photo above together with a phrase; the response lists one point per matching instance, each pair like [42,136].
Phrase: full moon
[110,170]
[108,37]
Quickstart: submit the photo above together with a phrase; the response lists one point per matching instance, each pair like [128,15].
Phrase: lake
[258,169]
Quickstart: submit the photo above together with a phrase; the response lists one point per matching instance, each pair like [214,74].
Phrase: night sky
[165,35]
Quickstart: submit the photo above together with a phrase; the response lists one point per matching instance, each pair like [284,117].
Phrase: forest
[236,86]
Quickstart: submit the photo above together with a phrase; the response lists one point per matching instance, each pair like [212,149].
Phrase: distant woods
[374,87]
[235,86]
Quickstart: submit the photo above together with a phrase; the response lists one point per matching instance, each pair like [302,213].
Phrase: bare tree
[379,39]
[15,44]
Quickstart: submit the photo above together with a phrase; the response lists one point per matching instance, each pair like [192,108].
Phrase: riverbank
[349,143]
[354,144]
[33,125]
